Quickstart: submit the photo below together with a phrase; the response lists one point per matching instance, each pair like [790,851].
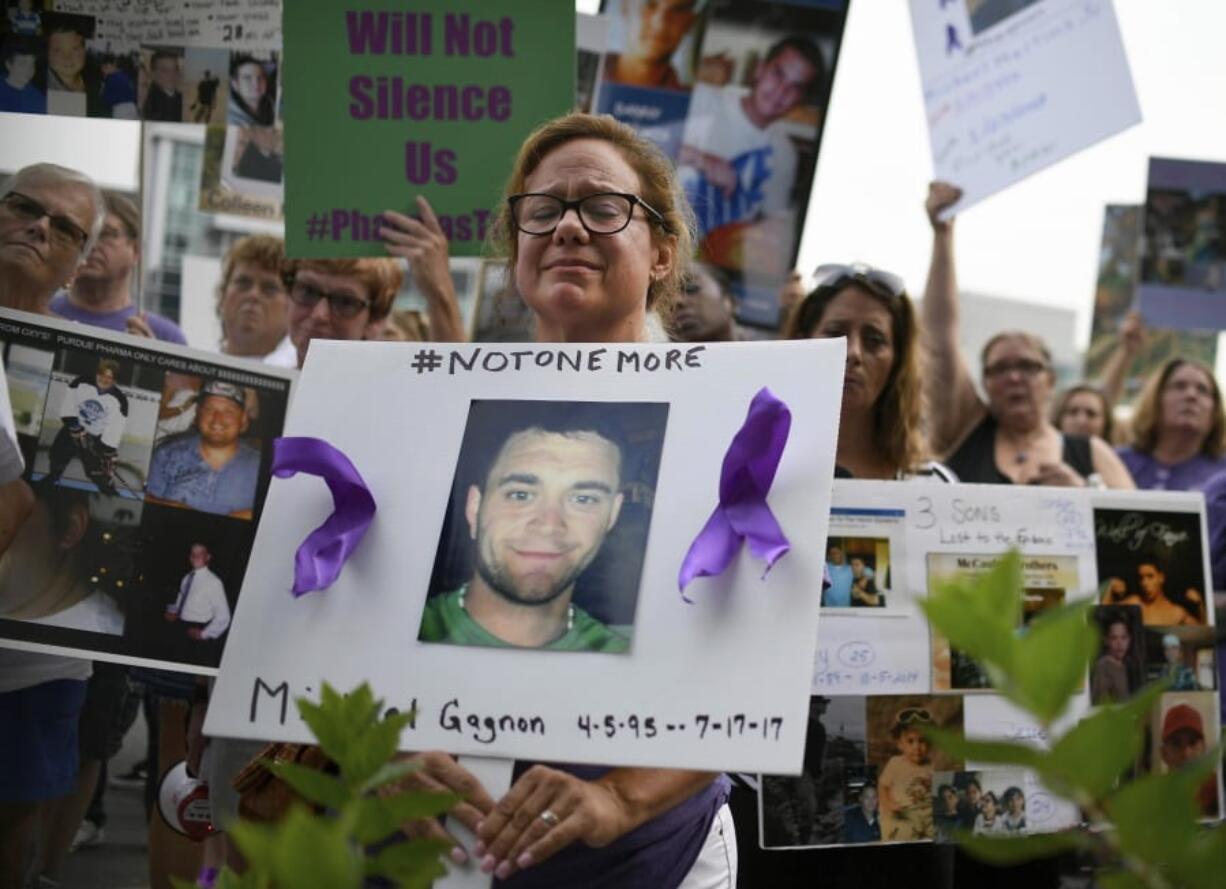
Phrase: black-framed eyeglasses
[342,305]
[913,715]
[64,231]
[603,213]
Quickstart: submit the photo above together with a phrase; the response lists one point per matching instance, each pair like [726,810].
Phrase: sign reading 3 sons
[518,586]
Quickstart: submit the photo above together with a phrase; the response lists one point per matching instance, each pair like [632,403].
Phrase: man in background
[164,100]
[50,218]
[737,162]
[201,604]
[704,312]
[211,469]
[101,290]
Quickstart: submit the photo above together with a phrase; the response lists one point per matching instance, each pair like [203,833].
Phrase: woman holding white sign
[1006,439]
[599,237]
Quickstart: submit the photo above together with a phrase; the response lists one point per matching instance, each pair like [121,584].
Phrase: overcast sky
[1039,239]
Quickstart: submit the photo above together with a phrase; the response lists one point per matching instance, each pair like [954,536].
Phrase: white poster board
[717,683]
[1013,86]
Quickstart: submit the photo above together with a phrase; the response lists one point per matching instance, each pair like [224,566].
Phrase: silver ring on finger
[549,817]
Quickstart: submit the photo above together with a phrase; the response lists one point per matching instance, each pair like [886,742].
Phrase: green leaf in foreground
[379,817]
[1050,660]
[313,785]
[995,752]
[1156,816]
[1015,850]
[978,615]
[412,865]
[1094,753]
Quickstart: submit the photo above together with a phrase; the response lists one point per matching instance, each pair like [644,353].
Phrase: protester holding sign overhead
[1006,439]
[596,230]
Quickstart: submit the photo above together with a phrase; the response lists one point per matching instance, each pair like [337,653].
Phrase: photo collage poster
[149,465]
[882,675]
[1115,293]
[213,65]
[735,93]
[1183,262]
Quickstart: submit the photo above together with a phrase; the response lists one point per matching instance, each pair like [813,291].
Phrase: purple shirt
[1190,475]
[163,328]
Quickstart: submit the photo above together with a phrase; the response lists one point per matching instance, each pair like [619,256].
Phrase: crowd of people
[615,270]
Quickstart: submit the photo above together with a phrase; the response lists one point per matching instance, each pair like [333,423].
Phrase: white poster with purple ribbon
[602,554]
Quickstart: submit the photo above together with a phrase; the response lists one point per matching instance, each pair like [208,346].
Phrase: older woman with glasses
[880,430]
[1006,439]
[598,237]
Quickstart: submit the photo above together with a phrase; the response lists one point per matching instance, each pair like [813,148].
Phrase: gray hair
[65,175]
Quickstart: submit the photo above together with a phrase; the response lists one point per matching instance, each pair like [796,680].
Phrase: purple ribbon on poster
[744,481]
[321,556]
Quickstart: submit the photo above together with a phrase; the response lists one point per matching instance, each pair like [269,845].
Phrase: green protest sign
[389,100]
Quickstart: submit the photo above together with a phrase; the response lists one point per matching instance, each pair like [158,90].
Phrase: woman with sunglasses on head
[599,239]
[880,429]
[1007,439]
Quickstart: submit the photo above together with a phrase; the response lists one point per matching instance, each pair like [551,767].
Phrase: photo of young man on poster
[538,509]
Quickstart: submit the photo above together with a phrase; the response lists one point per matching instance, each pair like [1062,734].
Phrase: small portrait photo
[97,428]
[161,84]
[23,67]
[223,192]
[204,75]
[23,17]
[985,803]
[1045,579]
[808,810]
[859,572]
[1185,226]
[861,807]
[71,566]
[253,162]
[86,75]
[1184,656]
[192,570]
[252,97]
[1184,727]
[1154,559]
[546,527]
[1119,671]
[29,377]
[986,13]
[213,464]
[653,43]
[899,746]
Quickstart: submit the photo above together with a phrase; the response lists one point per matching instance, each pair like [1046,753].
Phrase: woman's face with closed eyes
[866,323]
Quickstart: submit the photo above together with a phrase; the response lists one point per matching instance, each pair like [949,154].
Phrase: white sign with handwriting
[1013,86]
[518,586]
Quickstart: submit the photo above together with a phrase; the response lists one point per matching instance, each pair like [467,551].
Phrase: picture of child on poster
[900,749]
